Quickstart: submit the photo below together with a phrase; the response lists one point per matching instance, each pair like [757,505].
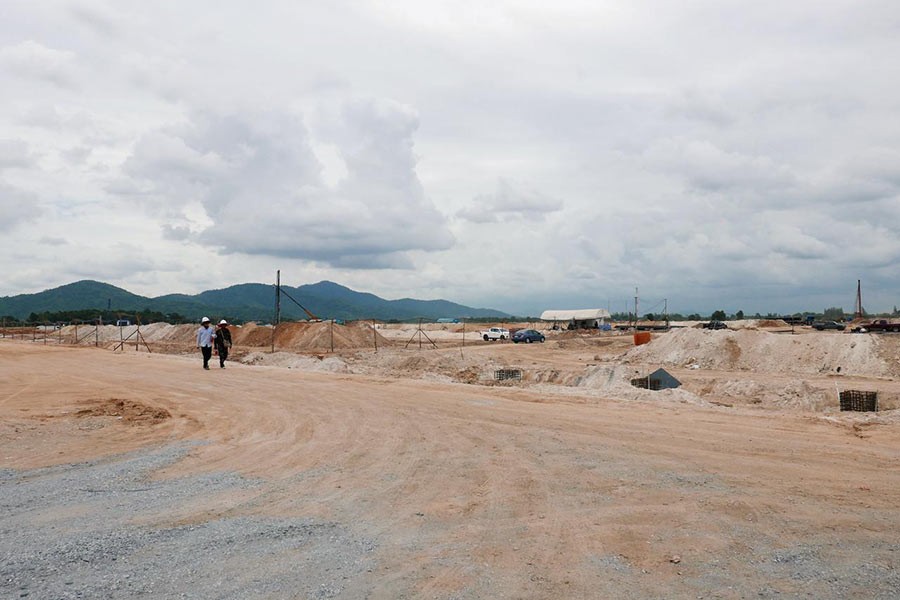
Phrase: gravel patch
[70,532]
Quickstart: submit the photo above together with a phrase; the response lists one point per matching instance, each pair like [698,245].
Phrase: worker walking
[205,337]
[223,342]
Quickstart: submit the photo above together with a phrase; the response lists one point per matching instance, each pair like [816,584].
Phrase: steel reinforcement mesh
[856,400]
[647,383]
[505,374]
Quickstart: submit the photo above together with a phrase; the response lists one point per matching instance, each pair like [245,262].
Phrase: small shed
[659,379]
[583,318]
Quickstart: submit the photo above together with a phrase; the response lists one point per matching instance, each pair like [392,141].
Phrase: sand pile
[794,394]
[772,323]
[327,364]
[761,351]
[433,365]
[110,334]
[252,335]
[322,336]
[290,336]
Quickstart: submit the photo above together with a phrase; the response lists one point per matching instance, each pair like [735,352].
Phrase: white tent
[584,314]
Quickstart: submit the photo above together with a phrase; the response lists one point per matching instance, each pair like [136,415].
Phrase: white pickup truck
[495,333]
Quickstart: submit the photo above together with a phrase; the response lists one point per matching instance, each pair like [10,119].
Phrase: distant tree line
[108,316]
[832,313]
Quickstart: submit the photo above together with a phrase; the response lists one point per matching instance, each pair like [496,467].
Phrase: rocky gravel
[79,531]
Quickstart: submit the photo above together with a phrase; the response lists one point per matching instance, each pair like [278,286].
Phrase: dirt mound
[752,350]
[251,334]
[320,364]
[128,410]
[325,335]
[771,323]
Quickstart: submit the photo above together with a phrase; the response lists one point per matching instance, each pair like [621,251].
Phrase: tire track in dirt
[473,492]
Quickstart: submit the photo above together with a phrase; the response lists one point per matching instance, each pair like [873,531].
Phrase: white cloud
[514,154]
[14,153]
[16,206]
[708,168]
[261,186]
[32,60]
[508,203]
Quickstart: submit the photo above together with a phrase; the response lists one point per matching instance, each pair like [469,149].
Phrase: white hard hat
[204,320]
[223,322]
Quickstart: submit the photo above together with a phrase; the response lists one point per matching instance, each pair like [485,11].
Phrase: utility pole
[635,307]
[859,307]
[277,306]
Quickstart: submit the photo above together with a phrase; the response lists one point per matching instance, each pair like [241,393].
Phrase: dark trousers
[223,354]
[207,354]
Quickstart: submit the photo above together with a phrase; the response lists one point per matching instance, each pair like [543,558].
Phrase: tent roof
[584,314]
[666,379]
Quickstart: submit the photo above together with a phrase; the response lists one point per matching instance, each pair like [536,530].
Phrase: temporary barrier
[642,337]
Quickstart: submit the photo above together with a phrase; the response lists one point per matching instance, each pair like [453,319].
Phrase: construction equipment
[311,317]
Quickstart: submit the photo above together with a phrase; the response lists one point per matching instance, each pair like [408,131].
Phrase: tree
[739,315]
[718,315]
[833,313]
[649,317]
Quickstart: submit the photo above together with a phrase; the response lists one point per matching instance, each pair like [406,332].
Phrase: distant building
[123,323]
[585,318]
[447,320]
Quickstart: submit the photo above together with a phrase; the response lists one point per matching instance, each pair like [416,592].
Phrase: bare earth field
[408,473]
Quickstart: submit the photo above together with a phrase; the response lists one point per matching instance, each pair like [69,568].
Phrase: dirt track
[484,492]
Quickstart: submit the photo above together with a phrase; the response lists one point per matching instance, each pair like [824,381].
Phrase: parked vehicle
[715,325]
[528,336]
[799,319]
[823,325]
[495,333]
[880,325]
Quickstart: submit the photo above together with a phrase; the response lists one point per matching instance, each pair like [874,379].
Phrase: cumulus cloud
[76,155]
[16,206]
[705,108]
[508,203]
[118,261]
[32,60]
[52,241]
[261,185]
[178,233]
[14,153]
[790,241]
[704,154]
[95,20]
[706,167]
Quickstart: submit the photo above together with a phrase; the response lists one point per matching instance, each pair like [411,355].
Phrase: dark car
[823,325]
[527,336]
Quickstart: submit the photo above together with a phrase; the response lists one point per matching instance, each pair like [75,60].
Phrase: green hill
[79,295]
[246,302]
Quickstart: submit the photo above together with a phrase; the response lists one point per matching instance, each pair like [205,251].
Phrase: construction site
[374,460]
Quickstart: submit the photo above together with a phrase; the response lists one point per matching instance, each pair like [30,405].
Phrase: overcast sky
[513,154]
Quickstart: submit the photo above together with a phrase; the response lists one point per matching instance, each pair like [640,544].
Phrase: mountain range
[245,302]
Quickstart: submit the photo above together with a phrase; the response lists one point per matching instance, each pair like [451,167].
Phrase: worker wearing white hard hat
[206,336]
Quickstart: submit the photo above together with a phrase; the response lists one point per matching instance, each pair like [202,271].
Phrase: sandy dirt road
[487,492]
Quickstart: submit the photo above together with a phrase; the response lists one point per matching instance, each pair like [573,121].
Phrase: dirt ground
[569,483]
